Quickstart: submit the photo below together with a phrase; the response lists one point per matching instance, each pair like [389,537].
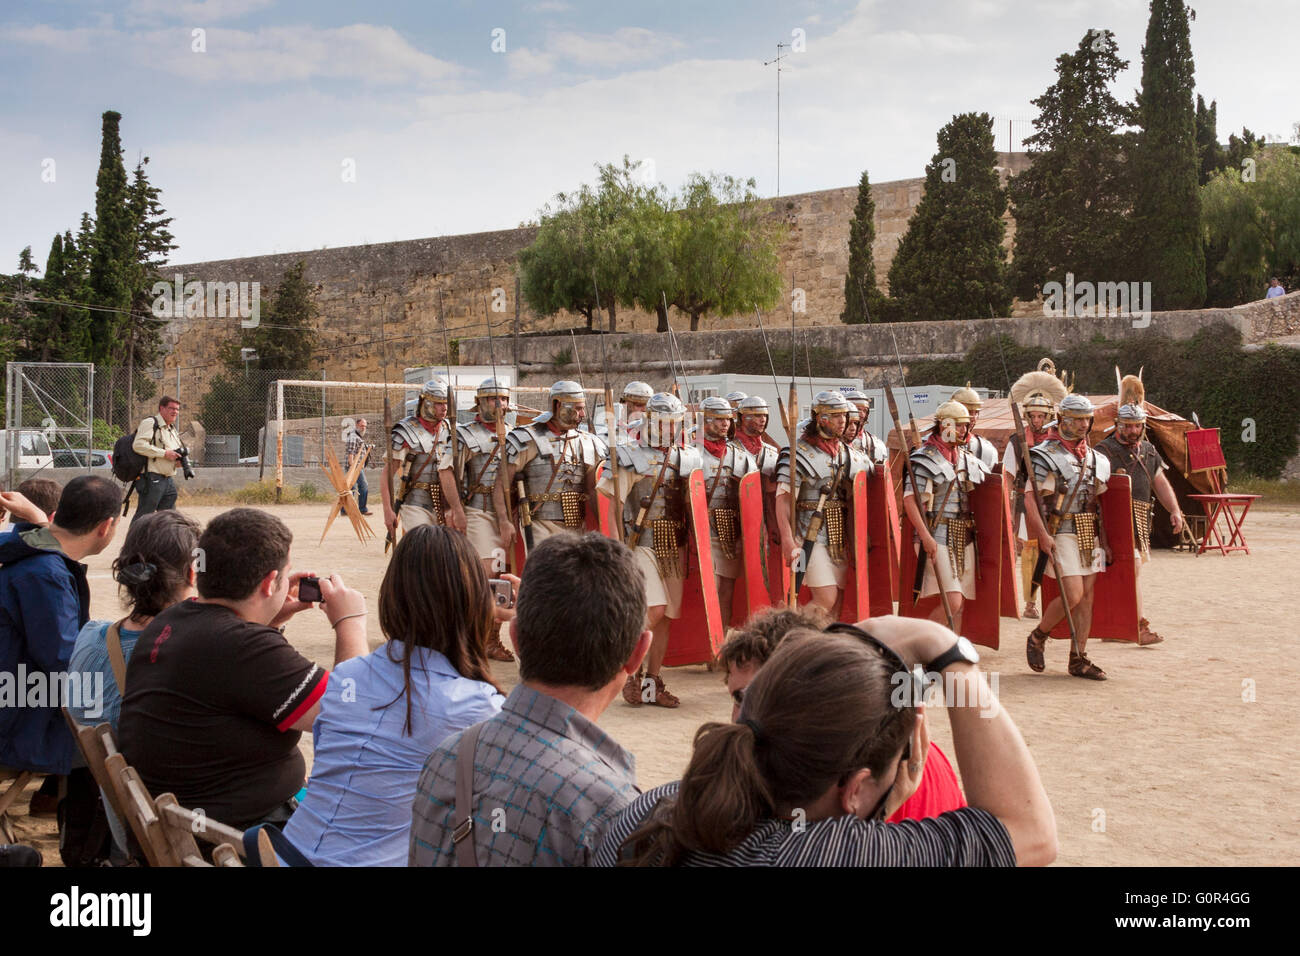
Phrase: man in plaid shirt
[547,780]
[355,443]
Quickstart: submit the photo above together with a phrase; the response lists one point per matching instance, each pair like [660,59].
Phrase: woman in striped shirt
[804,777]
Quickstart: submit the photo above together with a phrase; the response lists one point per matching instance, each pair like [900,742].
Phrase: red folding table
[1217,506]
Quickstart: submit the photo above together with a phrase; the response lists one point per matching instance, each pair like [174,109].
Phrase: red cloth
[829,445]
[431,427]
[948,451]
[752,445]
[715,448]
[938,793]
[1078,447]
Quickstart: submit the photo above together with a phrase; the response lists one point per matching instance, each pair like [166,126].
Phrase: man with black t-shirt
[216,697]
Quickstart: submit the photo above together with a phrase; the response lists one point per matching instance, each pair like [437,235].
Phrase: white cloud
[627,46]
[524,62]
[550,6]
[197,11]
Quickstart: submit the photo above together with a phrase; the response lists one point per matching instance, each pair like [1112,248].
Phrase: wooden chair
[20,779]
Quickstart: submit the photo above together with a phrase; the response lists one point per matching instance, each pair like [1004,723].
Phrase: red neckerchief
[949,452]
[751,445]
[1035,438]
[433,428]
[829,445]
[550,423]
[715,448]
[1078,448]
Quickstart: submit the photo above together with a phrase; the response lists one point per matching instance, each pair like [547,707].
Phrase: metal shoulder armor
[688,461]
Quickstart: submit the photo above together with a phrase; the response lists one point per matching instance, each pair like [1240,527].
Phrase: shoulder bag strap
[113,642]
[462,836]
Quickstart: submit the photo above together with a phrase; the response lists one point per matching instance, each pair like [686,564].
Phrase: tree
[1071,206]
[1167,203]
[112,246]
[950,263]
[1211,154]
[862,298]
[724,250]
[151,241]
[1252,229]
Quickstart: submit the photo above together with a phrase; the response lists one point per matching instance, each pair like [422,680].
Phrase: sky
[289,125]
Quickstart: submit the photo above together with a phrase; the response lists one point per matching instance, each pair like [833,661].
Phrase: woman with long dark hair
[805,776]
[384,713]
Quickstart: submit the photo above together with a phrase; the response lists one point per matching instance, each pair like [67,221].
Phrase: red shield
[604,507]
[1114,603]
[751,587]
[857,589]
[882,542]
[697,635]
[1011,599]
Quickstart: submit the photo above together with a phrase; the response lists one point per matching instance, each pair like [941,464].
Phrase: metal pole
[322,417]
[279,440]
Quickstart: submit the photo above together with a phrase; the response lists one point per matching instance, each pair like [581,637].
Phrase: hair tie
[138,572]
[753,725]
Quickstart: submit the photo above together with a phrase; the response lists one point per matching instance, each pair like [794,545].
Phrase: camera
[309,590]
[186,468]
[502,592]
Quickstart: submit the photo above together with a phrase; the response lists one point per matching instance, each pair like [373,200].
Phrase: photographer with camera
[159,441]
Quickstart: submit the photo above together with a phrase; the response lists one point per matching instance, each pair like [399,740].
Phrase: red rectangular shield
[882,543]
[751,592]
[857,584]
[1011,599]
[1114,605]
[697,635]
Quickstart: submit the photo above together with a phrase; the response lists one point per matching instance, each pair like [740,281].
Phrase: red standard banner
[697,635]
[1114,602]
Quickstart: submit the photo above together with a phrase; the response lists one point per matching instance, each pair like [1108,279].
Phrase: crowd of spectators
[420,756]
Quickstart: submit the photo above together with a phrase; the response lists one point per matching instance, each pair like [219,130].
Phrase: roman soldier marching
[1130,453]
[418,443]
[1037,393]
[1070,478]
[979,446]
[551,466]
[725,463]
[653,473]
[864,441]
[946,474]
[823,472]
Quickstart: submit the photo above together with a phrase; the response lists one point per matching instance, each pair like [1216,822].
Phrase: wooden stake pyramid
[343,486]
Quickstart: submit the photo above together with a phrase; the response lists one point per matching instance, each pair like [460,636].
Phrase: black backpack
[129,464]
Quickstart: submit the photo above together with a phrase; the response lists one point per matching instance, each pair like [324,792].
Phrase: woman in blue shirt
[384,713]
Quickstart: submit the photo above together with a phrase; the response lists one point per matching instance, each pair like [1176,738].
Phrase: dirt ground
[1178,759]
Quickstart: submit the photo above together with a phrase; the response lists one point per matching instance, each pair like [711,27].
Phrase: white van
[30,449]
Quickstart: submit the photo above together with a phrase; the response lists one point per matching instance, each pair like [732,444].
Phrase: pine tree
[112,246]
[1167,204]
[862,299]
[951,264]
[1211,154]
[1071,206]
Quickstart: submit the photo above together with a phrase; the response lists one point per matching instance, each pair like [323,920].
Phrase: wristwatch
[962,651]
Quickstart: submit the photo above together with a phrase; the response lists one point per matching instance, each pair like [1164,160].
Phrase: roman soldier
[983,449]
[865,441]
[1070,478]
[635,397]
[725,462]
[555,461]
[418,443]
[946,474]
[751,433]
[1037,394]
[653,473]
[823,475]
[1130,453]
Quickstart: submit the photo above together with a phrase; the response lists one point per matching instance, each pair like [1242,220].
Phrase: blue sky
[250,137]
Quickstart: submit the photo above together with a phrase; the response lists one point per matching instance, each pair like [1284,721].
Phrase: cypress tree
[112,246]
[1167,204]
[951,264]
[862,299]
[1208,150]
[1071,206]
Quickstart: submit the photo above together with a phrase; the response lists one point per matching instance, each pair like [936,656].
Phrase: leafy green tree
[151,244]
[862,298]
[1167,203]
[1212,155]
[1252,229]
[1071,206]
[951,263]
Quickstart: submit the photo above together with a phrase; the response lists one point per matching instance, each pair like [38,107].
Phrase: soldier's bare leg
[955,601]
[829,598]
[726,596]
[1054,613]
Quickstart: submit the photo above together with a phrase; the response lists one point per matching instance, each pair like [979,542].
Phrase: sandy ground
[1178,759]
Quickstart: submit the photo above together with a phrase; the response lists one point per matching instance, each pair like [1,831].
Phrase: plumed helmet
[435,388]
[490,387]
[968,397]
[1038,391]
[714,407]
[831,400]
[753,405]
[953,411]
[1131,413]
[1075,406]
[639,391]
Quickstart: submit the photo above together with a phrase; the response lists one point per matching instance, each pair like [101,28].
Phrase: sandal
[499,652]
[1080,666]
[632,689]
[660,696]
[1034,650]
[1146,636]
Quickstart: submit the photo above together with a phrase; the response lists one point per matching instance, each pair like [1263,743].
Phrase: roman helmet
[1074,417]
[665,419]
[714,409]
[1038,391]
[433,393]
[947,417]
[859,398]
[969,397]
[827,403]
[491,388]
[754,406]
[735,398]
[638,392]
[1132,395]
[568,401]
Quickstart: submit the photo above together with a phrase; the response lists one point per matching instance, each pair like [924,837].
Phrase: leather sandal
[661,697]
[1146,636]
[1080,666]
[1034,651]
[632,689]
[499,652]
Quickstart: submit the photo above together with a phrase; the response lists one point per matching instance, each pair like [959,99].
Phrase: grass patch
[1277,493]
[562,358]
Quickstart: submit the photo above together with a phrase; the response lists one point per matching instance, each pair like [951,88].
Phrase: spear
[611,432]
[451,391]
